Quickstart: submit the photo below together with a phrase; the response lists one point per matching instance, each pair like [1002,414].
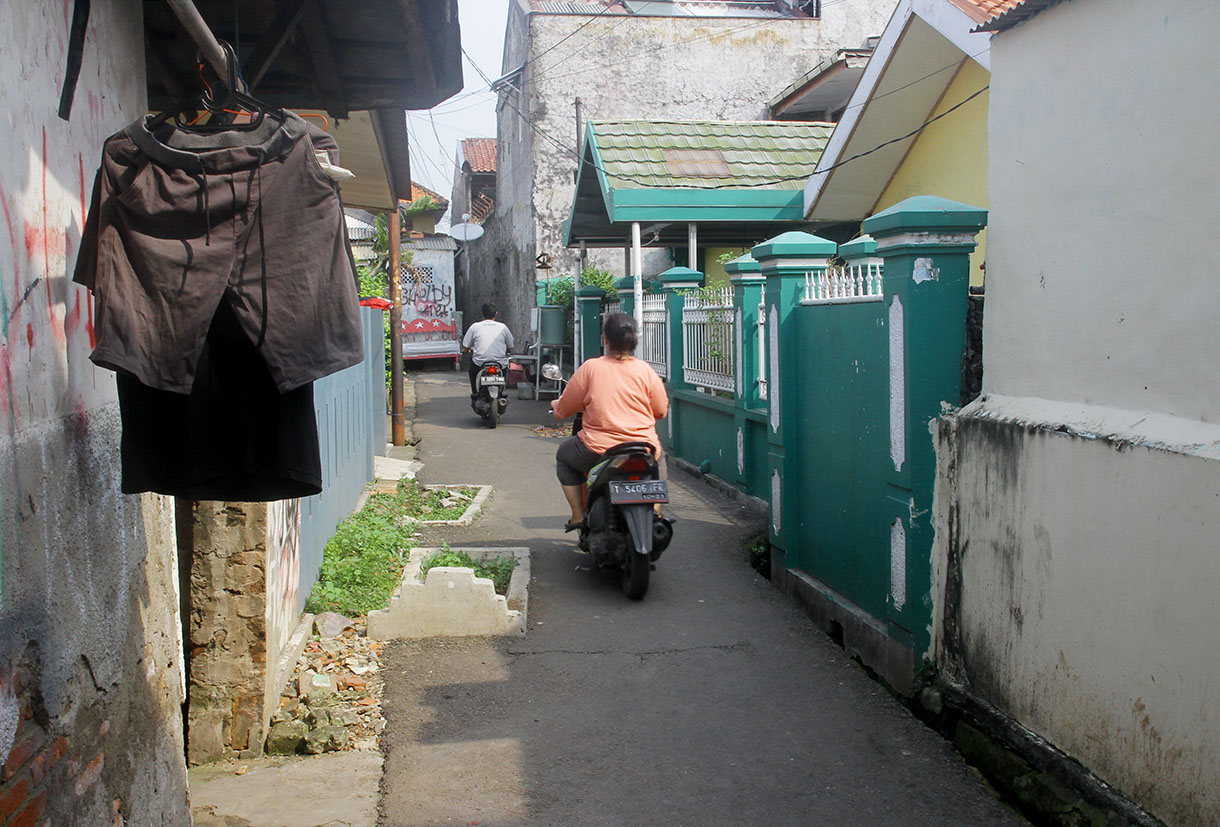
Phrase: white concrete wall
[634,67]
[88,604]
[1080,506]
[1100,286]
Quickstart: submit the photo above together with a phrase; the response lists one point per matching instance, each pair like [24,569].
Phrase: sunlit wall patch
[898,400]
[741,451]
[737,332]
[776,504]
[898,563]
[773,367]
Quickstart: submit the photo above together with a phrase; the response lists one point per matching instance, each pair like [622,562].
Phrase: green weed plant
[362,563]
[499,571]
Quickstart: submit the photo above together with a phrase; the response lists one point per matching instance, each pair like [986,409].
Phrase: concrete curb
[472,510]
[452,602]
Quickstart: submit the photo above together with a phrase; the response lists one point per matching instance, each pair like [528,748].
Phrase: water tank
[552,324]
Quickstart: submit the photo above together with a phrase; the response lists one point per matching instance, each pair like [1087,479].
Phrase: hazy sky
[471,113]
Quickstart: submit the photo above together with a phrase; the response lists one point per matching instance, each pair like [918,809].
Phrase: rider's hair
[621,333]
[489,310]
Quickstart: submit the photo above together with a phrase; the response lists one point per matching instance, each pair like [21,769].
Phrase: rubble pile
[333,701]
[553,433]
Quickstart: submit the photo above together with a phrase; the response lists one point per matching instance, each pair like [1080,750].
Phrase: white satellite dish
[466,232]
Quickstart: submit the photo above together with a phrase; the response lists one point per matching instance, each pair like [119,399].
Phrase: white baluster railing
[844,284]
[707,340]
[654,338]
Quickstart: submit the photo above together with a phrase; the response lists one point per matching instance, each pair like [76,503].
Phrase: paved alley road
[711,702]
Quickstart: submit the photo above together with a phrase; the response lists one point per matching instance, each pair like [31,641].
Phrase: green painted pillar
[626,295]
[589,301]
[673,282]
[540,292]
[785,261]
[746,278]
[745,275]
[925,243]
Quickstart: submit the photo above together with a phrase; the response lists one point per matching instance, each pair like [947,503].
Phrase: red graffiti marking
[6,382]
[84,216]
[12,235]
[46,239]
[80,159]
[72,317]
[57,329]
[29,334]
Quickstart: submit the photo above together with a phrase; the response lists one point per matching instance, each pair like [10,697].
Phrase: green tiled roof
[776,155]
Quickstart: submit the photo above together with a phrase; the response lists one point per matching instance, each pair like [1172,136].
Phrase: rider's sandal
[573,526]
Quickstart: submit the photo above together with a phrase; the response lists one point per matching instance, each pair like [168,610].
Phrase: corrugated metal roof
[711,8]
[669,8]
[577,7]
[757,154]
[431,242]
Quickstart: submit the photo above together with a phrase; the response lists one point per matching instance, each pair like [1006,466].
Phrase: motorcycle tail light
[493,369]
[634,465]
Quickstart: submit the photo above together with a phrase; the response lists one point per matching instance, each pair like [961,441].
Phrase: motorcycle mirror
[551,371]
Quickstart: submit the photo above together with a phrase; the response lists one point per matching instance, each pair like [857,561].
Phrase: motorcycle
[490,400]
[621,527]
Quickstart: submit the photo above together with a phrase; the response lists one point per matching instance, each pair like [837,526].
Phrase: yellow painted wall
[715,272]
[949,158]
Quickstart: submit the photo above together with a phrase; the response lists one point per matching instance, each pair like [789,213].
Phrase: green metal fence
[839,372]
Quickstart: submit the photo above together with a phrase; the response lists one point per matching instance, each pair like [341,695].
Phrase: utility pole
[580,150]
[398,425]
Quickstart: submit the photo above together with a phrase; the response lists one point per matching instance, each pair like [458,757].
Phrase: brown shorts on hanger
[183,221]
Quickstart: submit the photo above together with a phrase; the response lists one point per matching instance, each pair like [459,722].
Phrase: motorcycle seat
[631,448]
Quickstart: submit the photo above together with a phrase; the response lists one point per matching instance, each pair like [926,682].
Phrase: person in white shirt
[486,341]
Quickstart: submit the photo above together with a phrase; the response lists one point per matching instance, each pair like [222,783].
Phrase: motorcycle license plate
[643,491]
[492,380]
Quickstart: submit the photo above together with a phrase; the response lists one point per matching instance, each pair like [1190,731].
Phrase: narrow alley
[712,701]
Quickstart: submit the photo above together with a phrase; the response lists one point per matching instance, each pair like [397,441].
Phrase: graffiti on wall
[46,178]
[283,571]
[426,294]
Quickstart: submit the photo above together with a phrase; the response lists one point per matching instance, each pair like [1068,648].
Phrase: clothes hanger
[223,99]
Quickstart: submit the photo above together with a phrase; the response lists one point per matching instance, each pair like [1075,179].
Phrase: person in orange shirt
[621,396]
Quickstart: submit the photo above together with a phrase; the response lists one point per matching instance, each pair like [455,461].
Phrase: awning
[739,181]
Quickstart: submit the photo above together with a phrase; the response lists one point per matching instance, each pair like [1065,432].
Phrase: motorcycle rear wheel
[634,577]
[493,416]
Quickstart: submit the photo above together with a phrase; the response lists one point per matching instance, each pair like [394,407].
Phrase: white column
[692,247]
[637,265]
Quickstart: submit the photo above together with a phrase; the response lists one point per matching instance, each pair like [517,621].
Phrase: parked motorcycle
[490,400]
[621,527]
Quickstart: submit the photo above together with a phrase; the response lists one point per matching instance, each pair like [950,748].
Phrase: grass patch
[499,571]
[362,564]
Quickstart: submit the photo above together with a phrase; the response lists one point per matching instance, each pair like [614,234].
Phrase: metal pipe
[398,424]
[197,28]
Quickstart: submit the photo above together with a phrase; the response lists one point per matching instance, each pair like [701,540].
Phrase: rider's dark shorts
[573,461]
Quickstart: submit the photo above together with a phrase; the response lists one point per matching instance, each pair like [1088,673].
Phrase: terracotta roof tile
[983,10]
[419,191]
[480,153]
[1013,13]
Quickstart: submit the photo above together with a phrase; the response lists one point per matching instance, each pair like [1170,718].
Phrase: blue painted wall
[351,411]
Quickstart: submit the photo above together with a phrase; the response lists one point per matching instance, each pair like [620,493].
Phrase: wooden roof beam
[322,57]
[288,14]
